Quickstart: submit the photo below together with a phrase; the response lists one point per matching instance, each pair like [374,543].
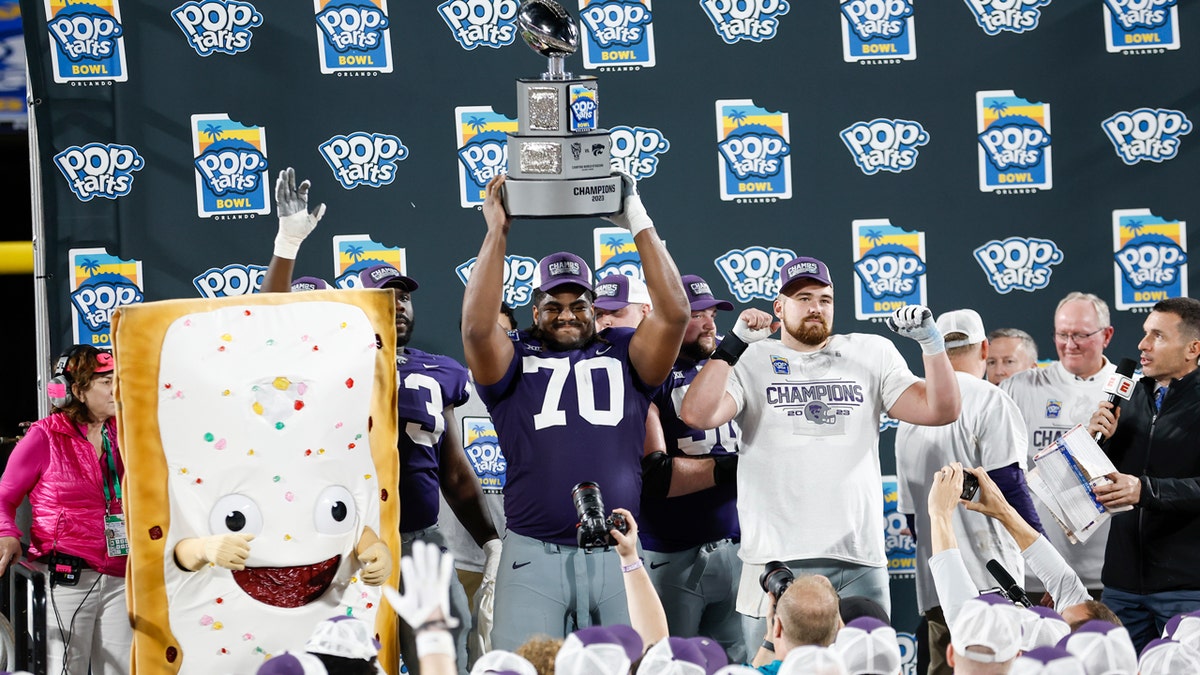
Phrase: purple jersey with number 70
[564,417]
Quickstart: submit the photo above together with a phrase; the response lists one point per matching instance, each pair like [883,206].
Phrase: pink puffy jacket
[57,467]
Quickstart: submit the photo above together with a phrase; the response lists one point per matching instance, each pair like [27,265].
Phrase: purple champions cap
[558,269]
[385,275]
[803,268]
[700,296]
[300,284]
[618,290]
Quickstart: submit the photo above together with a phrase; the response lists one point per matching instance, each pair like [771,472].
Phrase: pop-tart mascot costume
[259,437]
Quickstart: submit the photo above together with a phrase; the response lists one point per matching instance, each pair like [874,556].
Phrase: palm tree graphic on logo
[213,131]
[873,237]
[355,252]
[89,265]
[738,117]
[1134,227]
[998,107]
[614,245]
[477,124]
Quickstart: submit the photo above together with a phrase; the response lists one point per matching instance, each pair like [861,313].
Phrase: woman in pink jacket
[69,467]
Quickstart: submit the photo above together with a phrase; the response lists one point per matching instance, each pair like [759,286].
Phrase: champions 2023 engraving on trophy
[558,161]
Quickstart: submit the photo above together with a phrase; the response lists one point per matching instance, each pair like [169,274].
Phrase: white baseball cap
[988,630]
[965,321]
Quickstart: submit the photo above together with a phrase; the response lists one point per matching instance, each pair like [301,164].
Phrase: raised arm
[295,223]
[707,405]
[486,345]
[655,343]
[935,400]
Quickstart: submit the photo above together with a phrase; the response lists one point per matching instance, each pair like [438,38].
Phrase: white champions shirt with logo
[1053,401]
[809,484]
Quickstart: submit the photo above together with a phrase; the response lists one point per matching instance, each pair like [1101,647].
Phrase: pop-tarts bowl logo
[1146,134]
[890,271]
[753,20]
[99,170]
[1150,258]
[99,295]
[230,280]
[889,268]
[882,144]
[86,41]
[482,445]
[482,150]
[1014,142]
[878,31]
[217,26]
[231,166]
[354,36]
[1018,263]
[487,23]
[1145,26]
[617,34]
[518,278]
[753,149]
[753,272]
[100,283]
[1013,16]
[635,150]
[615,253]
[363,158]
[353,253]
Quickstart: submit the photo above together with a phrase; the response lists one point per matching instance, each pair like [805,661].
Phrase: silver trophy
[558,161]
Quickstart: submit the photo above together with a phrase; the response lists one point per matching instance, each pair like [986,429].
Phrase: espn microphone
[1119,387]
[1008,584]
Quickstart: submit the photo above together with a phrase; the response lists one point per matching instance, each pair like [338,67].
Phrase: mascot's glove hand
[916,322]
[426,575]
[223,550]
[633,215]
[376,562]
[295,222]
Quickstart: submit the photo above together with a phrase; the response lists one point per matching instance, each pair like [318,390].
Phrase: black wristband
[768,645]
[724,469]
[730,349]
[434,624]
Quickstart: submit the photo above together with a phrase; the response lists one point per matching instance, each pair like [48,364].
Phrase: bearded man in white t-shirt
[809,403]
[1056,398]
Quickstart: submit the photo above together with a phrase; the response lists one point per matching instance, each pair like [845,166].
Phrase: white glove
[916,322]
[749,335]
[485,597]
[426,575]
[632,215]
[295,222]
[223,550]
[376,563]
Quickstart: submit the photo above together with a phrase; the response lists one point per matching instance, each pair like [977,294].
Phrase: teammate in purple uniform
[569,406]
[689,518]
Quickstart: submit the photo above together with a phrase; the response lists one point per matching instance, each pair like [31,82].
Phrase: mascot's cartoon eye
[235,513]
[335,512]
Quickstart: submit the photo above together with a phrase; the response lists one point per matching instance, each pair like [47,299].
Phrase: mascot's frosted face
[264,428]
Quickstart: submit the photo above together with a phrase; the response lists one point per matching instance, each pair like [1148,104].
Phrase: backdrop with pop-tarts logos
[994,154]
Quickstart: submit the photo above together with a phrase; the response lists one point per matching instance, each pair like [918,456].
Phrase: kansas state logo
[754,20]
[754,149]
[518,278]
[1146,134]
[878,31]
[889,268]
[230,280]
[86,41]
[97,170]
[1018,263]
[635,150]
[617,33]
[217,25]
[490,23]
[354,36]
[1014,16]
[888,145]
[753,272]
[231,166]
[1146,26]
[1150,258]
[363,158]
[1014,143]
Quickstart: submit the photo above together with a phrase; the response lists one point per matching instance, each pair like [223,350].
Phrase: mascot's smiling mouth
[287,586]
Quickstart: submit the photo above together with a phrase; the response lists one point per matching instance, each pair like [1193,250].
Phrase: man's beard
[552,341]
[696,351]
[403,338]
[809,332]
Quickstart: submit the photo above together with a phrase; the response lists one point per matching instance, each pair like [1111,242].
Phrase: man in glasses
[1056,398]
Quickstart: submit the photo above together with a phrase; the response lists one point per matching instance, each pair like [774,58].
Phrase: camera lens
[776,578]
[587,499]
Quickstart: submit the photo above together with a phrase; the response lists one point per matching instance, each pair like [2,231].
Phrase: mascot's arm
[375,558]
[224,550]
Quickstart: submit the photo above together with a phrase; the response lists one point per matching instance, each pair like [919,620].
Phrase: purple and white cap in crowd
[384,275]
[598,650]
[1103,648]
[700,296]
[868,645]
[616,291]
[1047,661]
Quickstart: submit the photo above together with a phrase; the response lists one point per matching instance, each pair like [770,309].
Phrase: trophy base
[563,198]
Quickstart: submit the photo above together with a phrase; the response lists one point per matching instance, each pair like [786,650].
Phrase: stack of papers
[1064,476]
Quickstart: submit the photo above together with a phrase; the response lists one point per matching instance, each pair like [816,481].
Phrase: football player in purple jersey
[569,405]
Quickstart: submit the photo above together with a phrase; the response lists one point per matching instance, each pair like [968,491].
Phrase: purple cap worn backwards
[598,650]
[561,268]
[1102,647]
[308,284]
[618,290]
[1047,661]
[384,275]
[700,296]
[803,268]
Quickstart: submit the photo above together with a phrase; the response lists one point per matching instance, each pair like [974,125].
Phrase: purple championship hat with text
[558,269]
[700,296]
[385,275]
[618,290]
[309,284]
[803,268]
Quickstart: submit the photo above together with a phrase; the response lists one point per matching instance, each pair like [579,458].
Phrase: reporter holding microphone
[1152,562]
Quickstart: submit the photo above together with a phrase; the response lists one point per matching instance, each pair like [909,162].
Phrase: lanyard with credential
[112,471]
[114,523]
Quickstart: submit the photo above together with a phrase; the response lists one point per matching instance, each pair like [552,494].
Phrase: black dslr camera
[593,527]
[775,579]
[970,486]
